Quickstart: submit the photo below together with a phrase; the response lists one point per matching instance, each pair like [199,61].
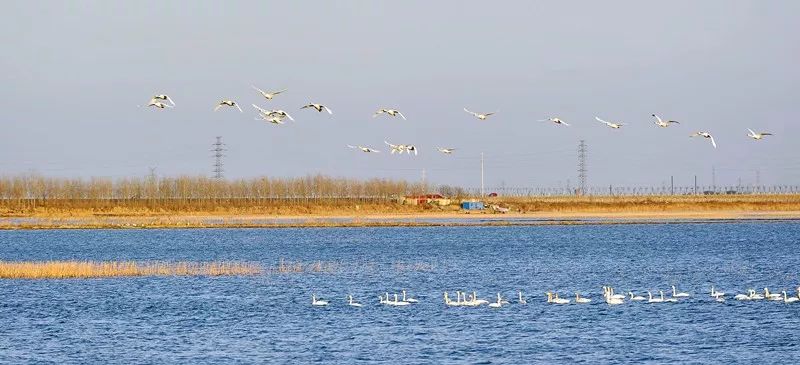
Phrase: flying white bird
[272,113]
[757,136]
[554,120]
[164,97]
[612,125]
[399,148]
[705,135]
[364,149]
[446,151]
[230,103]
[157,104]
[318,107]
[274,119]
[391,112]
[659,122]
[481,116]
[268,95]
[280,113]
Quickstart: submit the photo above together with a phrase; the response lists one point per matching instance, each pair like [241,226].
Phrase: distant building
[436,199]
[469,205]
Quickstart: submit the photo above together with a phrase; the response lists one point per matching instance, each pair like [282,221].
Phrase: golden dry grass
[669,203]
[234,209]
[107,269]
[392,214]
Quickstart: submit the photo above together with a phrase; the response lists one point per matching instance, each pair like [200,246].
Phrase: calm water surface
[268,318]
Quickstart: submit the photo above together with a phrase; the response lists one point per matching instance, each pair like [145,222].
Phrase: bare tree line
[195,191]
[199,193]
[626,191]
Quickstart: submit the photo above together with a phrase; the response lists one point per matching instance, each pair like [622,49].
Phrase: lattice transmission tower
[582,167]
[218,148]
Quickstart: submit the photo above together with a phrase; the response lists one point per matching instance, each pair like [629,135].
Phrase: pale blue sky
[74,73]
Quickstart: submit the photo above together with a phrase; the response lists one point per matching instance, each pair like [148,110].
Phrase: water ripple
[268,318]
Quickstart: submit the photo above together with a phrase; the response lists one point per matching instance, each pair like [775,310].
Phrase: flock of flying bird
[277,116]
[464,299]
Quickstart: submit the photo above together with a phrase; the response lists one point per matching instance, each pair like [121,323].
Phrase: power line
[582,172]
[218,149]
[482,174]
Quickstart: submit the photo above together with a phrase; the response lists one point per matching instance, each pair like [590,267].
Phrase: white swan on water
[611,298]
[676,294]
[352,303]
[554,299]
[317,302]
[398,302]
[653,300]
[636,298]
[498,303]
[788,299]
[395,303]
[580,300]
[471,302]
[755,296]
[449,302]
[772,296]
[715,293]
[614,301]
[667,300]
[609,292]
[409,299]
[521,299]
[476,300]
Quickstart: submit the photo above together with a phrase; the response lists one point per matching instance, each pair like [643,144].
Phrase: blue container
[472,205]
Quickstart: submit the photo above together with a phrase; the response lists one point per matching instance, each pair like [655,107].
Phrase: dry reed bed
[671,203]
[239,208]
[110,269]
[107,269]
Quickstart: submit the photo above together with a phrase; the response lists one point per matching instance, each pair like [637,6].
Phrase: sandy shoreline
[383,220]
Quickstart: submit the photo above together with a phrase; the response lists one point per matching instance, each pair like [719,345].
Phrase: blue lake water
[268,318]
